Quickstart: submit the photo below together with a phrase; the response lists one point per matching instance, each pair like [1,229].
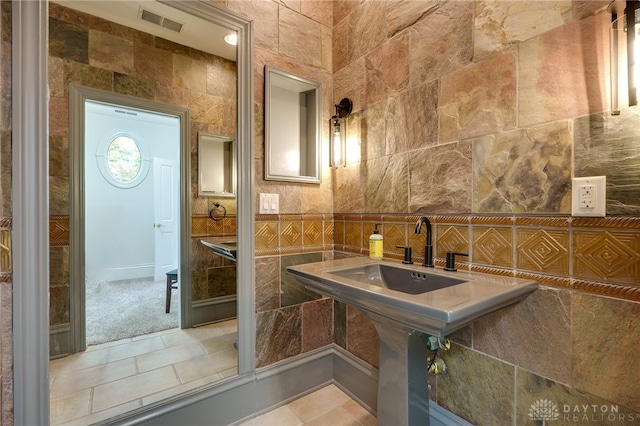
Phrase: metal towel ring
[218,208]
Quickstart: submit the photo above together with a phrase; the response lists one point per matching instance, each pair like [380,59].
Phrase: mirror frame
[30,210]
[274,78]
[228,175]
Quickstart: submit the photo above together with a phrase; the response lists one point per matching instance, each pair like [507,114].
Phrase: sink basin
[429,300]
[398,279]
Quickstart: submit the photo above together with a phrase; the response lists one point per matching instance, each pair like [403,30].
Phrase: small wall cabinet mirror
[216,166]
[293,130]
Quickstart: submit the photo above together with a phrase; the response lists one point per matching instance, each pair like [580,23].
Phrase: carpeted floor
[122,309]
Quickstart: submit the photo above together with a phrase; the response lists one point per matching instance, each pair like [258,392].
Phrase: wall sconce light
[624,19]
[338,133]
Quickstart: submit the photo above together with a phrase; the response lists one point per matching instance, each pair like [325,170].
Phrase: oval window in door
[122,159]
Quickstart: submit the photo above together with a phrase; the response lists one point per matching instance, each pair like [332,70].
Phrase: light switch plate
[589,196]
[269,203]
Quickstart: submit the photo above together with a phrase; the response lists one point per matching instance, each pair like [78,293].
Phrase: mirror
[293,130]
[216,166]
[238,89]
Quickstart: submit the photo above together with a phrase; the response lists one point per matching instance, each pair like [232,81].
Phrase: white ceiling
[196,32]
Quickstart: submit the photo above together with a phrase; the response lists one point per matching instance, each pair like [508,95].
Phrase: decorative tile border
[550,280]
[620,222]
[204,226]
[607,289]
[201,226]
[595,255]
[59,230]
[297,233]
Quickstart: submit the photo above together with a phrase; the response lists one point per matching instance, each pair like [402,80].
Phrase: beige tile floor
[112,378]
[328,406]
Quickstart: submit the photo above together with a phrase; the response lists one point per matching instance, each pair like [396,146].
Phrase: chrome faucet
[428,248]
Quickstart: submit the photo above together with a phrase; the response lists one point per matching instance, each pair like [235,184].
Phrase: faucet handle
[450,264]
[407,254]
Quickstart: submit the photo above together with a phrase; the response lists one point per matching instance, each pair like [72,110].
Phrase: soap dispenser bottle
[375,243]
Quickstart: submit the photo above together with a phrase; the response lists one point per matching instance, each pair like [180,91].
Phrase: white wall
[119,240]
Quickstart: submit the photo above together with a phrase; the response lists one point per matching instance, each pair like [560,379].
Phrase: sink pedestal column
[403,392]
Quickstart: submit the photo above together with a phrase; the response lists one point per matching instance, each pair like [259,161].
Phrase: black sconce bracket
[344,108]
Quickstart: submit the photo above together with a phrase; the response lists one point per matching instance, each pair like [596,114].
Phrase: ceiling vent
[154,18]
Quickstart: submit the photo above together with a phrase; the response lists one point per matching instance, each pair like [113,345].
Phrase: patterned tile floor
[112,378]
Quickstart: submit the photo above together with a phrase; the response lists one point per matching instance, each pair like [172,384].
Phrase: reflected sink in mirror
[222,246]
[398,279]
[429,300]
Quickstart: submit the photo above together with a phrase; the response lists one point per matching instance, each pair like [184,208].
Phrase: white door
[165,199]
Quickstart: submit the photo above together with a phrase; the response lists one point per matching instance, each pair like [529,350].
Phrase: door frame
[78,95]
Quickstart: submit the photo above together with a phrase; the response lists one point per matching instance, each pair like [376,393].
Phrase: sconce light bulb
[338,142]
[337,155]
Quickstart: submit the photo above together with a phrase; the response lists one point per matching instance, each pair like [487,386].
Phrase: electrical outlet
[269,203]
[589,196]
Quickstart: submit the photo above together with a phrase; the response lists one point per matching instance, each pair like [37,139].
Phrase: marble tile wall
[473,106]
[289,319]
[92,52]
[612,139]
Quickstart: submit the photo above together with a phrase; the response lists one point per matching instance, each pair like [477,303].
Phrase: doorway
[131,216]
[129,175]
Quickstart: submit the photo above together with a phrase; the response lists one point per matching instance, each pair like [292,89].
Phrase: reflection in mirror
[145,370]
[216,166]
[293,131]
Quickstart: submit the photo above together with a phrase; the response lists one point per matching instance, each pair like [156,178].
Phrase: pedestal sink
[406,303]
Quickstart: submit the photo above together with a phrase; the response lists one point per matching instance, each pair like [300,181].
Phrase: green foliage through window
[124,159]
